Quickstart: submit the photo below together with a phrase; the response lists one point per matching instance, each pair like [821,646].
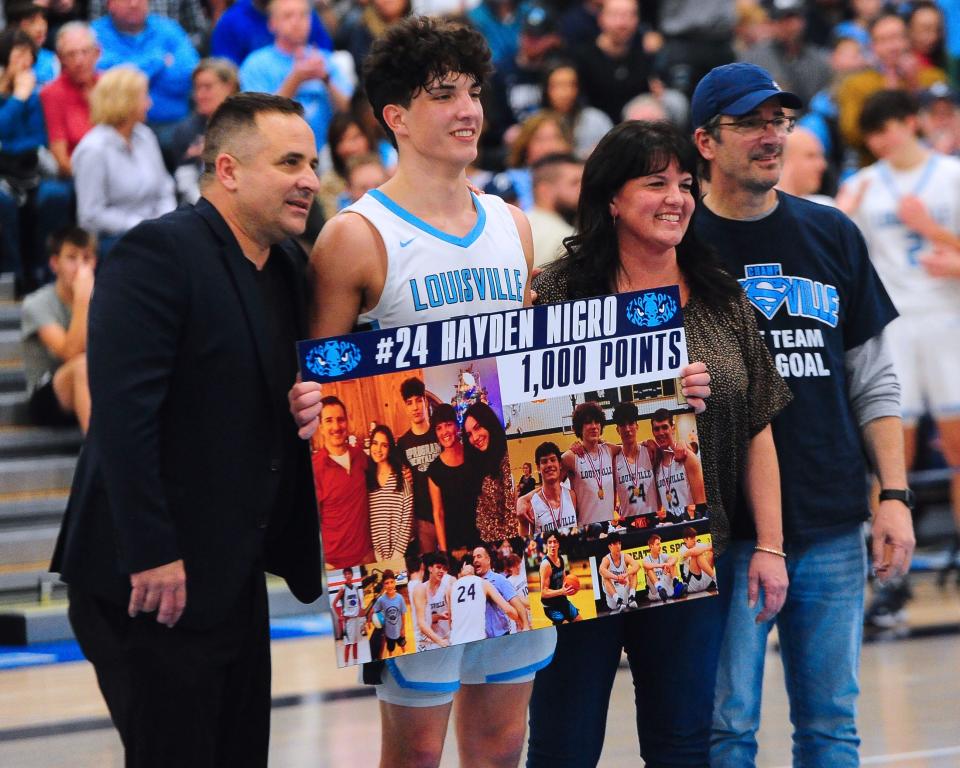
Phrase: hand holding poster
[428,539]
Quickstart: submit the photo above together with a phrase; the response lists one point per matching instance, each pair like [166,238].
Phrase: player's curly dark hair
[416,52]
[633,149]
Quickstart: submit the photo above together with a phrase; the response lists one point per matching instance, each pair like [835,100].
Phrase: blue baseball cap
[735,89]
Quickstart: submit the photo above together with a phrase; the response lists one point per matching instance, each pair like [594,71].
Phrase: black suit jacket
[184,454]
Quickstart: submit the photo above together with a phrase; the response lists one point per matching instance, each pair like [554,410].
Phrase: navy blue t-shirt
[806,271]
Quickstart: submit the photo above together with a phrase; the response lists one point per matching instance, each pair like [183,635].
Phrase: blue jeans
[819,629]
[673,653]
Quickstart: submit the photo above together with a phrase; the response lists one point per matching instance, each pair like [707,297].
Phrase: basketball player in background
[618,574]
[552,507]
[591,474]
[908,205]
[696,563]
[679,484]
[661,573]
[393,608]
[554,592]
[516,575]
[432,609]
[348,603]
[636,490]
[468,597]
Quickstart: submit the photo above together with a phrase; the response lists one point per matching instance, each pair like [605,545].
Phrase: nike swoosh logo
[405,243]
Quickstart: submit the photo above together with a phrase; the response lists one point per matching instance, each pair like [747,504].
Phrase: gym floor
[53,716]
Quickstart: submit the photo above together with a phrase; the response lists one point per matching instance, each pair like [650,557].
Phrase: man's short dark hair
[886,105]
[545,169]
[236,114]
[585,413]
[625,413]
[654,537]
[76,236]
[546,449]
[689,532]
[388,574]
[614,538]
[434,558]
[416,52]
[661,414]
[347,570]
[412,387]
[332,400]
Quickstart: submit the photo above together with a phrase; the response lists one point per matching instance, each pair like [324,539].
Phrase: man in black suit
[192,481]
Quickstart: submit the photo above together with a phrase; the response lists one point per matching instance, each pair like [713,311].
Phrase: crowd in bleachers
[103,103]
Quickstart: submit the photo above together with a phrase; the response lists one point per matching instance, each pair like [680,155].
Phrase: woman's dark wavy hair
[416,52]
[592,260]
[487,461]
[393,459]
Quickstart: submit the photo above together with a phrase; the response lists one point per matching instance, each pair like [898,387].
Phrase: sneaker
[632,602]
[712,586]
[663,593]
[887,609]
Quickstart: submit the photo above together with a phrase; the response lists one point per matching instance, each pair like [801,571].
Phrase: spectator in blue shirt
[243,28]
[159,48]
[293,68]
[23,193]
[32,19]
[499,22]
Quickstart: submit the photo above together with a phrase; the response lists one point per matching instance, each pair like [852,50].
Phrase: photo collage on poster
[588,504]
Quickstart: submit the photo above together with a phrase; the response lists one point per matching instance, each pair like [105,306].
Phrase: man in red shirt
[66,106]
[340,478]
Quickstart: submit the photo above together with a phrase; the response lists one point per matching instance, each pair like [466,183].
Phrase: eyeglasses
[753,127]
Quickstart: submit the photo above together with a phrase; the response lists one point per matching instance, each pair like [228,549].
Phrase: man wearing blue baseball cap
[822,311]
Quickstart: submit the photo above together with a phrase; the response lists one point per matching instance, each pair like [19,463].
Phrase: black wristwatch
[896,494]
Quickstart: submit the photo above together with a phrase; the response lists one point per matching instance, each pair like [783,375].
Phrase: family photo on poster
[456,505]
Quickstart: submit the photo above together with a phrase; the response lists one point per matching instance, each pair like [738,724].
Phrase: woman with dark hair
[637,199]
[391,496]
[485,445]
[346,138]
[454,485]
[561,93]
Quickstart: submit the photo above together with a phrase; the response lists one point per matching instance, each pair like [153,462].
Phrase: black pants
[182,697]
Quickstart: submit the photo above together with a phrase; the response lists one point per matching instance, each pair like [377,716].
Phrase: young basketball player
[554,593]
[552,507]
[618,573]
[420,248]
[349,603]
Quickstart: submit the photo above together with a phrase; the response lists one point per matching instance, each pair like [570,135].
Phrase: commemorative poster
[499,473]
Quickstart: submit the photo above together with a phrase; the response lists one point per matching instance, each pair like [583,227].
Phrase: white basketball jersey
[436,604]
[636,491]
[412,586]
[435,276]
[617,569]
[894,249]
[591,508]
[519,583]
[673,486]
[661,577]
[468,610]
[351,600]
[550,519]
